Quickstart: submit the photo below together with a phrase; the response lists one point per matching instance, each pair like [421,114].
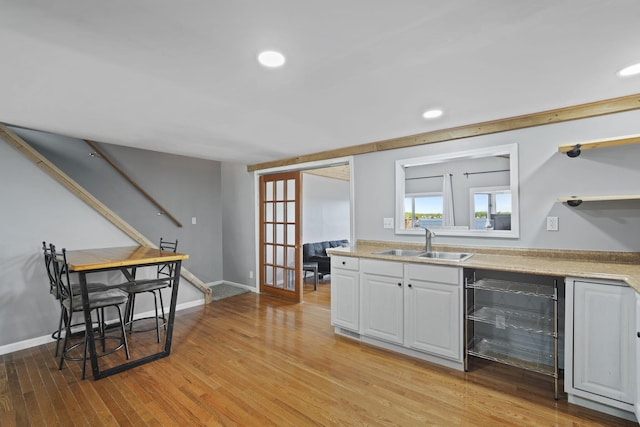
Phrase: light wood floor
[253,360]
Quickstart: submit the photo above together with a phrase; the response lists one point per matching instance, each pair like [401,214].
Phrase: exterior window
[423,210]
[491,209]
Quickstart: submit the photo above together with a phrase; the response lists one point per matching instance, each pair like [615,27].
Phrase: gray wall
[325,209]
[186,187]
[37,208]
[27,194]
[545,175]
[238,218]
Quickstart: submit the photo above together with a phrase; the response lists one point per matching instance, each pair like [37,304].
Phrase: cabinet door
[433,318]
[345,294]
[604,340]
[382,303]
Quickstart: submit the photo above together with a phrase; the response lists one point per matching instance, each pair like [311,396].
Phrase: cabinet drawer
[382,268]
[433,273]
[345,262]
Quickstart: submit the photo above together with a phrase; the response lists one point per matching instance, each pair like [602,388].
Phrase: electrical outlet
[388,223]
[193,220]
[552,223]
[250,274]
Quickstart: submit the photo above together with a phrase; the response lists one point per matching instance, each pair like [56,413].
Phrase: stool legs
[130,307]
[90,330]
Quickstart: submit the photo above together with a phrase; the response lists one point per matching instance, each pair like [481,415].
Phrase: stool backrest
[61,272]
[168,246]
[48,263]
[168,268]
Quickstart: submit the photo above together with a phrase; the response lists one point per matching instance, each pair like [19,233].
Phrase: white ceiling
[182,77]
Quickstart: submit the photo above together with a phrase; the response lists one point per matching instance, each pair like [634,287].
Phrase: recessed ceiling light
[432,114]
[271,59]
[631,70]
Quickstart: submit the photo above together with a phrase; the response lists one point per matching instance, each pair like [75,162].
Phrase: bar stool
[164,279]
[313,268]
[98,301]
[54,290]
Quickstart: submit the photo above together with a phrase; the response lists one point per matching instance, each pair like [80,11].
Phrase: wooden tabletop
[96,259]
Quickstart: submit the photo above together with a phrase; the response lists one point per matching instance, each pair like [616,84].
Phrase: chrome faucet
[428,235]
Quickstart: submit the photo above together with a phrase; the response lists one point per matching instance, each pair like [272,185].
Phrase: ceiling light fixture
[271,59]
[432,114]
[631,70]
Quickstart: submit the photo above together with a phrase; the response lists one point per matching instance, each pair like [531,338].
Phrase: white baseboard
[21,345]
[34,342]
[602,407]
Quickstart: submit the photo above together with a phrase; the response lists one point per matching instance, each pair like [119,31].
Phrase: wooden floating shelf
[577,200]
[574,150]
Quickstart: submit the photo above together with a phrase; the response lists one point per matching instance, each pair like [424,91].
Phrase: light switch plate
[552,223]
[388,222]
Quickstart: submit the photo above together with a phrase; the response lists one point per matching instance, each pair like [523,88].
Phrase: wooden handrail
[135,185]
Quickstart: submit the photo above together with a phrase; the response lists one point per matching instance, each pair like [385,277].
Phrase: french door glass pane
[279,255]
[279,190]
[291,279]
[279,280]
[291,256]
[291,189]
[279,212]
[268,233]
[268,212]
[291,234]
[268,193]
[268,254]
[268,275]
[280,234]
[291,212]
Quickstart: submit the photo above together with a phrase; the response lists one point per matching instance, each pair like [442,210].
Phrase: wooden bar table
[126,259]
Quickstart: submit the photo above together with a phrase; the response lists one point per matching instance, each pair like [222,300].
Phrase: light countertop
[584,264]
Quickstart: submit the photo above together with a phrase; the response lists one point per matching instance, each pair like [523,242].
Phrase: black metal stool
[312,267]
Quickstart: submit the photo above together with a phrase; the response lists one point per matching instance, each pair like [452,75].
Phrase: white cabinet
[411,308]
[417,306]
[381,300]
[345,292]
[601,345]
[432,309]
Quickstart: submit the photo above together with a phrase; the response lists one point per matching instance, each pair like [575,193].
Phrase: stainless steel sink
[448,256]
[400,252]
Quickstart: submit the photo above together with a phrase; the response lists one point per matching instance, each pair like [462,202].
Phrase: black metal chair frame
[164,279]
[72,303]
[53,290]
